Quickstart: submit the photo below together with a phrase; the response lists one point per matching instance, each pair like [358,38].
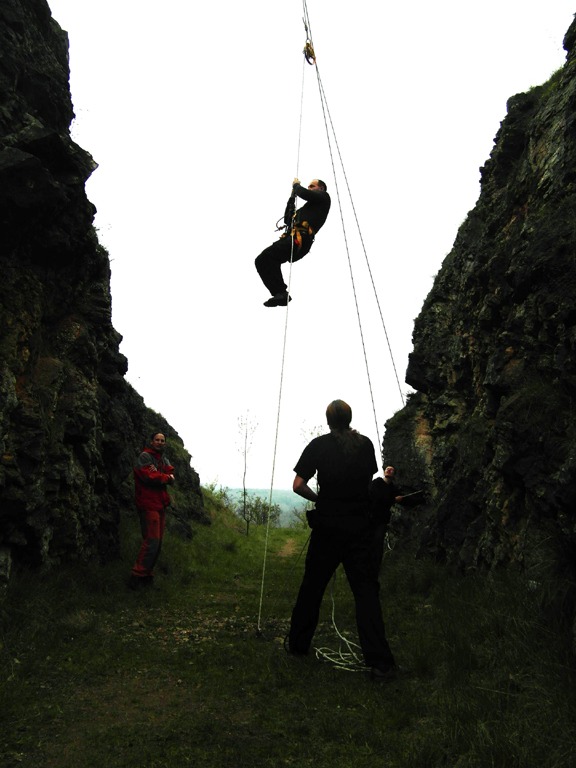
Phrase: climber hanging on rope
[301,226]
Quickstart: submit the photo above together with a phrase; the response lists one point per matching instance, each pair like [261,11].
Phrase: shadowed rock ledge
[70,424]
[491,431]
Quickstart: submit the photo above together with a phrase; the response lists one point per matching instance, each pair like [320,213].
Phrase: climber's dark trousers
[271,259]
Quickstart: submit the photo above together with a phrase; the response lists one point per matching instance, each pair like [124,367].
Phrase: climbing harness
[301,229]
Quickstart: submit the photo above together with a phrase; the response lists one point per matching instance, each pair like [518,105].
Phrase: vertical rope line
[300,122]
[278,410]
[324,110]
[273,463]
[363,247]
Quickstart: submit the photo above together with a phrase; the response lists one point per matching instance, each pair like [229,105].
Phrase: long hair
[339,416]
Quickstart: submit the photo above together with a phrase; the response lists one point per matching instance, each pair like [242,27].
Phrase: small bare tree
[246,429]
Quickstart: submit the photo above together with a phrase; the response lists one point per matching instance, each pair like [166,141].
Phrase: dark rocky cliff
[491,430]
[70,424]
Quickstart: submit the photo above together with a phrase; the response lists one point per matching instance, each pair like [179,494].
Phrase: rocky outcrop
[70,424]
[491,431]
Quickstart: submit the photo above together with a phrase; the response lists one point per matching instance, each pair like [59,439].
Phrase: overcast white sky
[192,112]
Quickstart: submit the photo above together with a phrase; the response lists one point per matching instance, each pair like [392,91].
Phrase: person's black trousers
[269,262]
[327,549]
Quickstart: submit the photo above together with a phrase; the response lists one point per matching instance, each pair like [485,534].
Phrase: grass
[93,674]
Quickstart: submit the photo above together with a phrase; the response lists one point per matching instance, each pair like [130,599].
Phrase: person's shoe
[291,650]
[139,582]
[384,675]
[278,300]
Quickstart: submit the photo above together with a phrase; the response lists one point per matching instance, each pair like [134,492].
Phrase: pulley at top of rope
[308,51]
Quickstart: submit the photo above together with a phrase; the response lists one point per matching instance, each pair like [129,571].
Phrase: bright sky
[192,111]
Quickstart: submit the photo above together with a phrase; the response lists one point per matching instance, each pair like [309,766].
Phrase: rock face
[70,424]
[491,430]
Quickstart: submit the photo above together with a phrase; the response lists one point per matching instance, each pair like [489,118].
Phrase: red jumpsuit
[151,476]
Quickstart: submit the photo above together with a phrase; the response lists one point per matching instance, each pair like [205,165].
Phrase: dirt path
[288,549]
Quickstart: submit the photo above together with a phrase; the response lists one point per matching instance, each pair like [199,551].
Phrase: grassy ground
[193,672]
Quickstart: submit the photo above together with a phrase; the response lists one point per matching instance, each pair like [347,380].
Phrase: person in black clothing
[342,532]
[383,495]
[296,240]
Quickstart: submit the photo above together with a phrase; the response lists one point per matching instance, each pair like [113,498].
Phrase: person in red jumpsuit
[153,474]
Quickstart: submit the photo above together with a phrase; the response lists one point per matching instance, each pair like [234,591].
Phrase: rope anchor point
[308,52]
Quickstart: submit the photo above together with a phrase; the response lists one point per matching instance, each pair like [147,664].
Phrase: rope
[259,626]
[345,660]
[350,659]
[326,113]
[308,51]
[267,536]
[323,96]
